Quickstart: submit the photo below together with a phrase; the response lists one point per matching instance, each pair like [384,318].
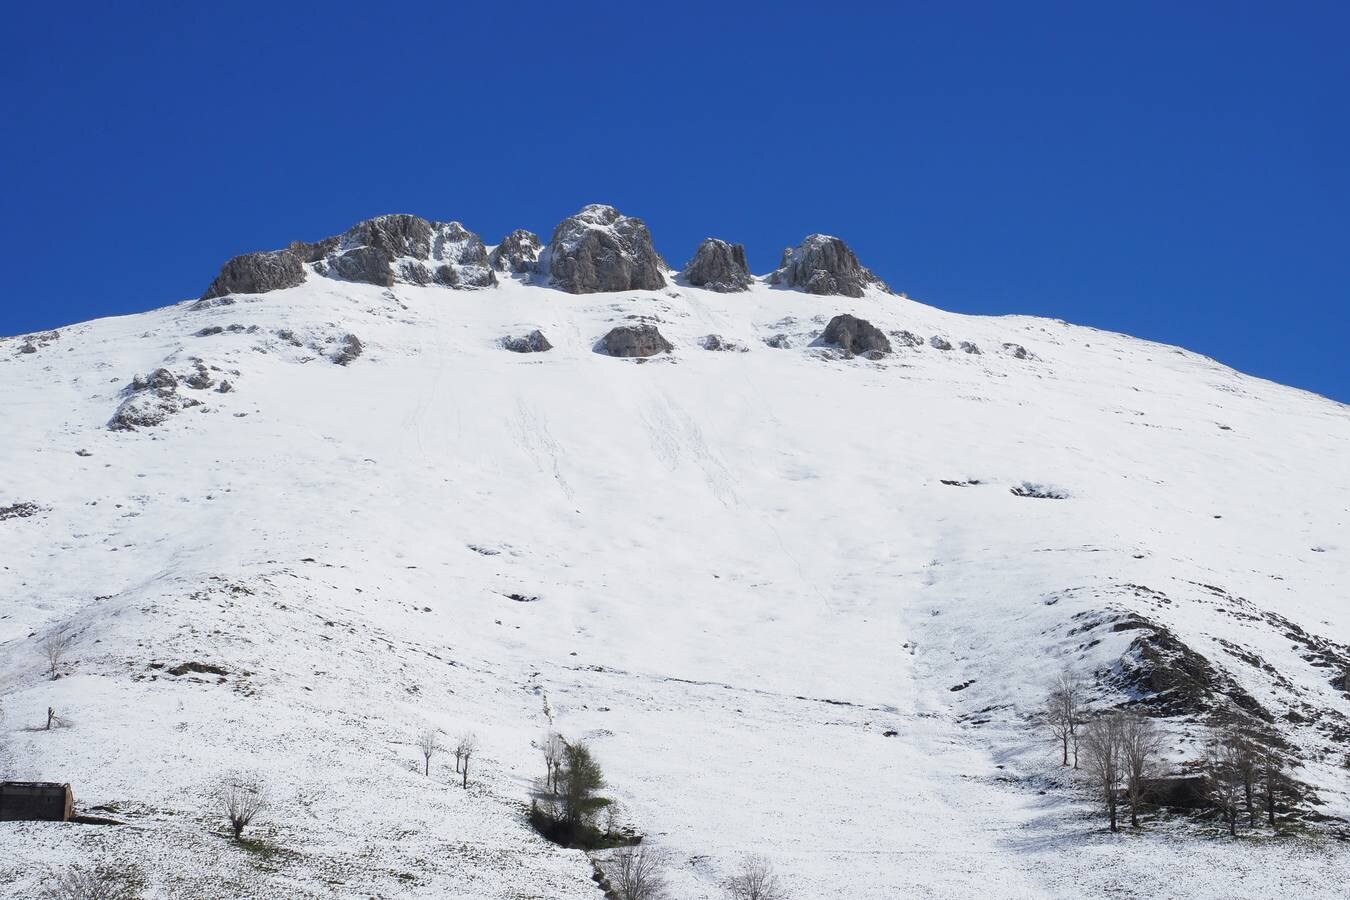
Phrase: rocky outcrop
[856,335]
[907,338]
[823,264]
[635,340]
[779,342]
[534,342]
[598,249]
[348,350]
[938,342]
[517,253]
[718,266]
[410,249]
[969,347]
[149,401]
[257,273]
[719,344]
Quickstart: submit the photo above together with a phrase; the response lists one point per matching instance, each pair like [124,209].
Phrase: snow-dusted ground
[747,568]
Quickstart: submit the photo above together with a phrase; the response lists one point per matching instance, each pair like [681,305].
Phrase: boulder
[717,343]
[718,266]
[534,342]
[257,273]
[855,335]
[368,265]
[348,350]
[822,264]
[779,342]
[149,401]
[969,347]
[635,340]
[518,252]
[598,249]
[937,342]
[907,338]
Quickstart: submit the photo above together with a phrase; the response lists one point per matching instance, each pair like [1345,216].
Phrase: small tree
[468,745]
[635,873]
[1063,712]
[1223,776]
[755,880]
[1273,781]
[1102,749]
[54,648]
[243,796]
[79,883]
[427,744]
[579,782]
[553,748]
[1140,743]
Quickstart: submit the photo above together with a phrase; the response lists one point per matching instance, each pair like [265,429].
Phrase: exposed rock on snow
[718,266]
[534,342]
[348,350]
[149,401]
[19,511]
[907,338]
[855,335]
[635,340]
[257,273]
[718,343]
[518,252]
[938,342]
[200,379]
[779,342]
[598,249]
[823,264]
[1038,491]
[1017,351]
[969,347]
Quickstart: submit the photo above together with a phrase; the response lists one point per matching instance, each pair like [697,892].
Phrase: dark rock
[257,273]
[938,342]
[822,264]
[200,379]
[160,380]
[970,347]
[720,344]
[149,401]
[600,250]
[28,347]
[225,387]
[518,252]
[855,335]
[907,339]
[534,342]
[313,251]
[718,266]
[414,272]
[779,342]
[19,511]
[351,348]
[635,340]
[1038,491]
[368,265]
[210,330]
[1017,351]
[395,235]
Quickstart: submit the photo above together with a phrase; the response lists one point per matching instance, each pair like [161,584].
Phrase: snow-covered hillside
[789,597]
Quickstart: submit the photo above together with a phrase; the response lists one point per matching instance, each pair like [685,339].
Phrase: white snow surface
[747,571]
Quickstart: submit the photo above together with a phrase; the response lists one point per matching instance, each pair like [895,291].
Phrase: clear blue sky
[1179,171]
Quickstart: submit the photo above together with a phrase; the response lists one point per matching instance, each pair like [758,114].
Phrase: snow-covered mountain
[799,598]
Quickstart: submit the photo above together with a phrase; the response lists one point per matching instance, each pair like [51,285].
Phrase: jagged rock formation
[257,273]
[598,249]
[717,343]
[635,340]
[382,251]
[856,335]
[534,342]
[718,266]
[938,342]
[149,401]
[349,349]
[907,338]
[822,264]
[970,347]
[518,252]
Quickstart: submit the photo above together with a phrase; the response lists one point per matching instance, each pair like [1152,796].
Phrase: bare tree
[553,748]
[54,648]
[1223,777]
[1102,749]
[468,745]
[756,880]
[635,873]
[1140,743]
[1247,760]
[1273,781]
[243,796]
[1063,712]
[79,883]
[427,744]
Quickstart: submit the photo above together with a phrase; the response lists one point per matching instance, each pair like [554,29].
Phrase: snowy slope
[747,568]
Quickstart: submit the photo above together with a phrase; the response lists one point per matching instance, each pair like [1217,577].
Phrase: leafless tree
[427,745]
[1102,748]
[1248,763]
[553,747]
[52,719]
[635,873]
[1140,743]
[756,880]
[243,796]
[1223,777]
[468,745]
[1063,712]
[1273,781]
[54,648]
[79,883]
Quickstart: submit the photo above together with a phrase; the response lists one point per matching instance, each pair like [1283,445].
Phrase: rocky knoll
[599,249]
[718,266]
[518,252]
[822,264]
[257,273]
[856,335]
[635,340]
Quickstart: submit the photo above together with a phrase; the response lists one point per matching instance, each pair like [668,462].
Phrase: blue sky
[1176,171]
